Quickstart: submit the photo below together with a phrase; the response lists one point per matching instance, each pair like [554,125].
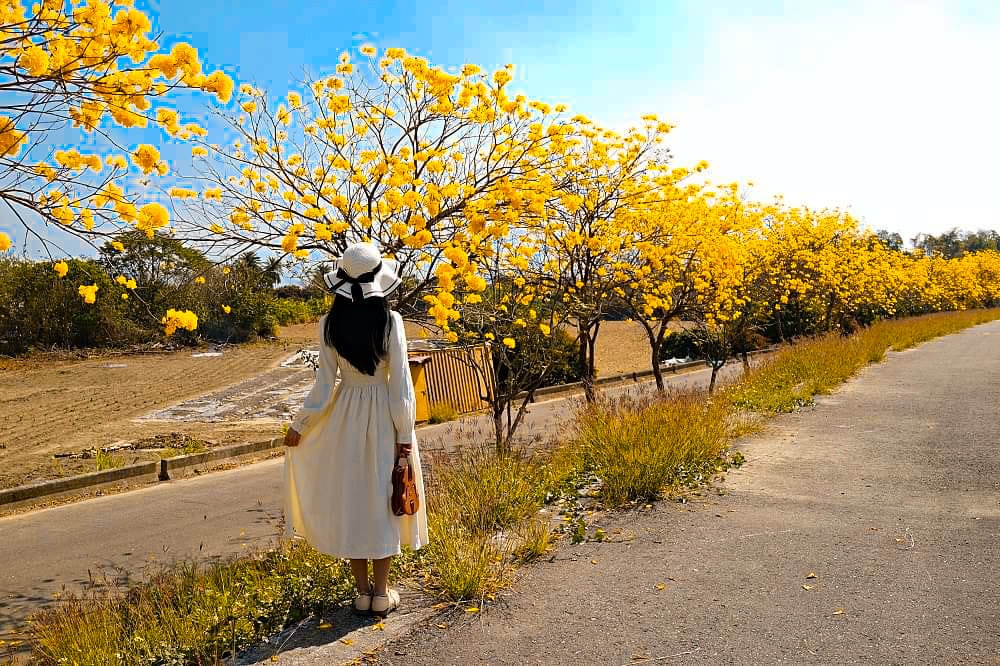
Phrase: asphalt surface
[119,538]
[863,530]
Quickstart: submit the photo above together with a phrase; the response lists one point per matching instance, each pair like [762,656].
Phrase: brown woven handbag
[405,501]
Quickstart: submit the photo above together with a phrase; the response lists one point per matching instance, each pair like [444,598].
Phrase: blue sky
[885,108]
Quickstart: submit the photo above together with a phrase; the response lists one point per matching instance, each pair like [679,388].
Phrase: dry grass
[637,450]
[442,412]
[191,614]
[792,376]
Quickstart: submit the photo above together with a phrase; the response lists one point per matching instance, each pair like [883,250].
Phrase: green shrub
[38,309]
[288,311]
[680,344]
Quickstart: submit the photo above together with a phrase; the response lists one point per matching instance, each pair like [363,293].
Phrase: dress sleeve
[319,395]
[402,400]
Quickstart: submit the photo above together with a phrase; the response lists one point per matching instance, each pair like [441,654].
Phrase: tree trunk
[587,364]
[715,374]
[498,429]
[657,368]
[746,359]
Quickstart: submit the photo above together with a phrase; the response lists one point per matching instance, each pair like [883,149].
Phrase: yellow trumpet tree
[520,319]
[590,228]
[94,67]
[687,266]
[430,166]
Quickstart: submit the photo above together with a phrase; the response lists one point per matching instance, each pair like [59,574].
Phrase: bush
[193,614]
[442,412]
[288,311]
[39,309]
[559,351]
[680,344]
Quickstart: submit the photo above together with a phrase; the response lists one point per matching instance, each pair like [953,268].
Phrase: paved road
[119,536]
[888,491]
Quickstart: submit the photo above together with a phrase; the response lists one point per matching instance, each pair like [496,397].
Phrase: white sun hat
[362,273]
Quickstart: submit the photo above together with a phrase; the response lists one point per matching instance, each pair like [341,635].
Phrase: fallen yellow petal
[347,641]
[807,587]
[442,625]
[593,561]
[325,625]
[378,627]
[472,609]
[839,611]
[661,586]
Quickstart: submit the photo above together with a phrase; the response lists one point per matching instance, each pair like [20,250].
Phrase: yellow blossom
[89,292]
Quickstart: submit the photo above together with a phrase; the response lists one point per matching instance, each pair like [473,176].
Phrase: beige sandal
[363,603]
[383,604]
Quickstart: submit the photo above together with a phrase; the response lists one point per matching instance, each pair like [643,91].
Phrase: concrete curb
[169,467]
[55,486]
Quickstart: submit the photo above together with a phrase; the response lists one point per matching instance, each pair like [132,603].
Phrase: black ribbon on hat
[357,292]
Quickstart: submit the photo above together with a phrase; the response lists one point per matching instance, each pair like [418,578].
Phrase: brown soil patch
[50,407]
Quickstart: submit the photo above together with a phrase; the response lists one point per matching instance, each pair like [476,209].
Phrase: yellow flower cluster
[88,292]
[175,319]
[151,217]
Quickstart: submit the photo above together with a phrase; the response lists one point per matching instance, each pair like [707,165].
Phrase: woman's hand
[292,437]
[403,450]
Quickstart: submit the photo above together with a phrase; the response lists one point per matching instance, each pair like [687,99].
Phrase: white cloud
[891,111]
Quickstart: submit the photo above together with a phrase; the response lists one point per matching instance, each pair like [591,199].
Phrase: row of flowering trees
[511,219]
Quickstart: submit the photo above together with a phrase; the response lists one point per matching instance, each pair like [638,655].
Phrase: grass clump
[106,460]
[637,450]
[442,412]
[479,510]
[192,613]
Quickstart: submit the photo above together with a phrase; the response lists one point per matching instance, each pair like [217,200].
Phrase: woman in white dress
[346,438]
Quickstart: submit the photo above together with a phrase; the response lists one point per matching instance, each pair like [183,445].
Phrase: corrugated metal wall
[452,377]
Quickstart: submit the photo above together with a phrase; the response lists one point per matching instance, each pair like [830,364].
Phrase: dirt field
[50,407]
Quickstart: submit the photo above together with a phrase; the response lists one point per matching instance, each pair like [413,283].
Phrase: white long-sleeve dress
[338,480]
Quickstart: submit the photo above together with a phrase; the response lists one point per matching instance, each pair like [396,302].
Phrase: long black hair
[359,331]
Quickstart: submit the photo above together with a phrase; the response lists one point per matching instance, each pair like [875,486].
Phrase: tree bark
[498,429]
[587,364]
[658,369]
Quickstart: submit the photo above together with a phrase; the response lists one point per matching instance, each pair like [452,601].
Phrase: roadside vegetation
[490,511]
